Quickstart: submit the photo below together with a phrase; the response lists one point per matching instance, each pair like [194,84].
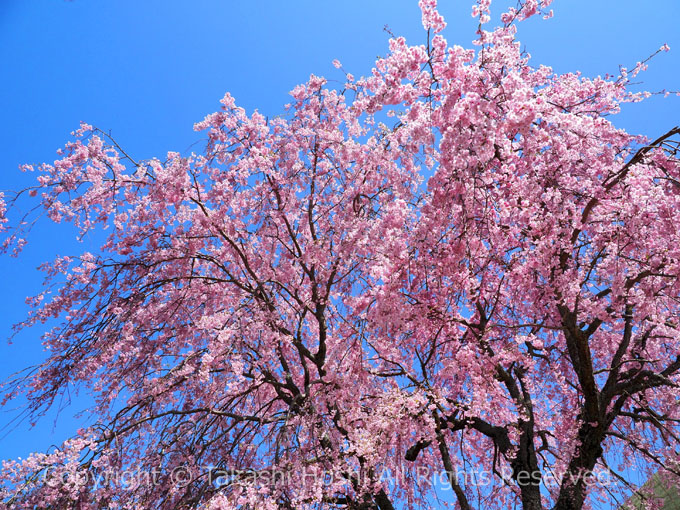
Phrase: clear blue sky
[148,69]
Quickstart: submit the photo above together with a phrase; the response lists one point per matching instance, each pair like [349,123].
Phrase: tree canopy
[456,264]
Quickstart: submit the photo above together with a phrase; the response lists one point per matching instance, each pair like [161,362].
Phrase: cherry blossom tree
[455,265]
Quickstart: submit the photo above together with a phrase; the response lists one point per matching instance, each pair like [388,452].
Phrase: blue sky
[147,70]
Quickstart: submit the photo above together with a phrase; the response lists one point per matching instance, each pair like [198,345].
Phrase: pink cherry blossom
[458,264]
